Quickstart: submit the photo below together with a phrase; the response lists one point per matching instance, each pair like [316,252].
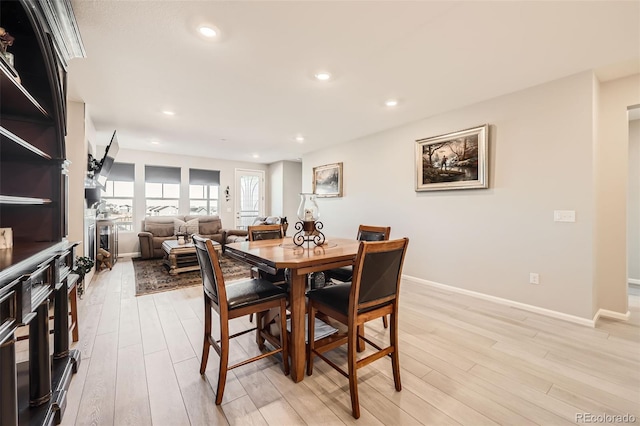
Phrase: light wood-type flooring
[463,361]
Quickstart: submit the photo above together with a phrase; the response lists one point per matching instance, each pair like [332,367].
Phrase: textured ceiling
[252,91]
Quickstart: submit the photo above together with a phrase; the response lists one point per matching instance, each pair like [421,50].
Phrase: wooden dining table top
[282,253]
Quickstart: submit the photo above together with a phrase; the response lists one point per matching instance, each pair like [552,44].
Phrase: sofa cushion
[190,226]
[159,229]
[157,242]
[210,225]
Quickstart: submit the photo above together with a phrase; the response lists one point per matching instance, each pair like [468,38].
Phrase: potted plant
[83,266]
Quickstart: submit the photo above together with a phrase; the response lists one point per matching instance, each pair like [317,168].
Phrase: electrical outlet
[534,278]
[564,215]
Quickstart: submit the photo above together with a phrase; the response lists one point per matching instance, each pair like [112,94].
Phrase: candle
[308,215]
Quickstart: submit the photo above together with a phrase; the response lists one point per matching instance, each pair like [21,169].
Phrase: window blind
[161,174]
[204,177]
[124,172]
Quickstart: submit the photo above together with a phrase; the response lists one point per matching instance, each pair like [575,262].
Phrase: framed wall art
[327,180]
[456,160]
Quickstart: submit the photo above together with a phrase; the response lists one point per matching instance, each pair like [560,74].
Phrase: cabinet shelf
[27,201]
[15,99]
[17,140]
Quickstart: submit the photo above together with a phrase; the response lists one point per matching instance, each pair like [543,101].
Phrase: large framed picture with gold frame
[455,160]
[327,180]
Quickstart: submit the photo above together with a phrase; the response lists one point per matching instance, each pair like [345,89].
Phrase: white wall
[488,241]
[286,184]
[275,191]
[77,154]
[611,180]
[633,207]
[79,131]
[128,241]
[292,188]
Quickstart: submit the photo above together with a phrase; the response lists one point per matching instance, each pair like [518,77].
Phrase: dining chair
[235,300]
[365,233]
[373,293]
[266,232]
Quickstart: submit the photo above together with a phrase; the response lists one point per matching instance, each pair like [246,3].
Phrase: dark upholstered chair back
[373,233]
[265,232]
[377,272]
[210,269]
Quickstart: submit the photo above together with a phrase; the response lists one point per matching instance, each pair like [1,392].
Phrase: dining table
[271,255]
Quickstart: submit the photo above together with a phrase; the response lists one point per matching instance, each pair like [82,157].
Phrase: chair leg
[395,356]
[260,325]
[284,338]
[311,319]
[385,323]
[360,342]
[224,361]
[352,347]
[206,344]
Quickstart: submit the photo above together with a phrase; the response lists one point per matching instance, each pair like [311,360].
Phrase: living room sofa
[158,229]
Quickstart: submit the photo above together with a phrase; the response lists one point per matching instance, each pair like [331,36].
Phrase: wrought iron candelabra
[308,231]
[309,226]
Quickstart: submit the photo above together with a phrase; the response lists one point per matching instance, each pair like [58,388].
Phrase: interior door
[250,200]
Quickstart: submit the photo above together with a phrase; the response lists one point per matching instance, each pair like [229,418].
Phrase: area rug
[152,275]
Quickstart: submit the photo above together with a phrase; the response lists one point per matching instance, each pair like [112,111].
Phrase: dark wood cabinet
[36,271]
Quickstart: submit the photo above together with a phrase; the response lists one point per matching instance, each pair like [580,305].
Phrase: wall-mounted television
[107,161]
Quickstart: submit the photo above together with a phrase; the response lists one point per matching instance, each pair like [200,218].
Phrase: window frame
[207,199]
[123,226]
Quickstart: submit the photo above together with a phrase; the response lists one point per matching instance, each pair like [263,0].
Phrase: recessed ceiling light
[391,102]
[322,76]
[167,112]
[155,143]
[300,139]
[207,31]
[256,156]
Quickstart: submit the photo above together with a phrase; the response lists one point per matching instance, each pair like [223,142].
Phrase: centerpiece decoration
[309,225]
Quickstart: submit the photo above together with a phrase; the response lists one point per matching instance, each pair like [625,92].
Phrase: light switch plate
[564,215]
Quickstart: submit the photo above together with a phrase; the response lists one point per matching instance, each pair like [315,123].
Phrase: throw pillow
[190,226]
[272,220]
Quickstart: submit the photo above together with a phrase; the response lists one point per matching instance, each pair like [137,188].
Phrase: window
[204,188]
[117,196]
[162,190]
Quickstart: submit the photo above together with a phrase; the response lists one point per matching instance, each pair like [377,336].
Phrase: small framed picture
[456,160]
[327,180]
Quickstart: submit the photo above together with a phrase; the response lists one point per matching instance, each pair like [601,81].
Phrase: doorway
[250,200]
[633,202]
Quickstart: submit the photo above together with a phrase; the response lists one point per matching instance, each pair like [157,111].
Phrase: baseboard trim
[132,254]
[531,308]
[605,313]
[634,281]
